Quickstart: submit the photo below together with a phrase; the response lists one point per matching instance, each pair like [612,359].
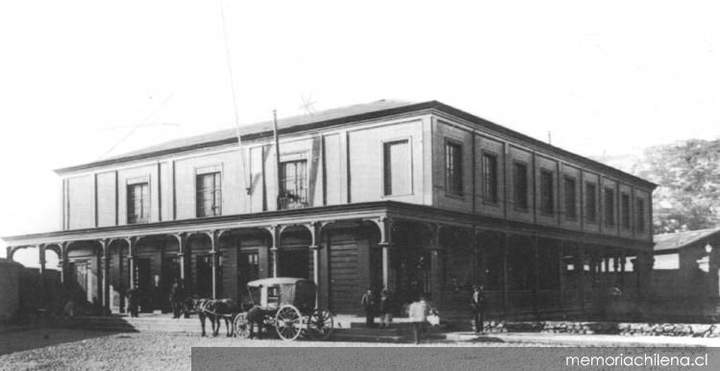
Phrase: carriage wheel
[321,322]
[241,326]
[288,322]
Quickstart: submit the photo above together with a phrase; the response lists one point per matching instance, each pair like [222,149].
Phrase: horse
[215,310]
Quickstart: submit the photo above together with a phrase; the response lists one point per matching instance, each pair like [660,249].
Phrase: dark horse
[215,310]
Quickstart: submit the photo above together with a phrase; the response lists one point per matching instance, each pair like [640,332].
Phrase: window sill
[138,222]
[398,195]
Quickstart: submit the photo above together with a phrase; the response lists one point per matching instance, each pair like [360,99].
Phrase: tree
[688,178]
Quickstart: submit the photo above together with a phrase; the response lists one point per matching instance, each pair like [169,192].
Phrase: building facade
[418,197]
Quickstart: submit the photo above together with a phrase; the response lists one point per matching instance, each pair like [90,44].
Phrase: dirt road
[61,349]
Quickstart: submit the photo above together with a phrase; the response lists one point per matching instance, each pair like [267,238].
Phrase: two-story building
[417,197]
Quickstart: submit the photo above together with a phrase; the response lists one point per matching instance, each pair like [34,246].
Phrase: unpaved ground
[61,349]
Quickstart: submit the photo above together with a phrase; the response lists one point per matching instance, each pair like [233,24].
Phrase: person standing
[133,301]
[176,298]
[386,308]
[368,303]
[418,312]
[478,306]
[255,317]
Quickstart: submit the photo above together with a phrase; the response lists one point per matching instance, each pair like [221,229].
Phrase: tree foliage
[688,178]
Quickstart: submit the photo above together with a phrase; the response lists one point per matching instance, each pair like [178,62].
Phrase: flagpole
[236,114]
[277,157]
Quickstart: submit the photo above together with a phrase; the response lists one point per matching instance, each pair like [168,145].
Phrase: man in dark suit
[176,298]
[368,304]
[478,305]
[133,301]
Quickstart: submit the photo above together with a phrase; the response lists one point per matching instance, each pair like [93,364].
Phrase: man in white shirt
[418,312]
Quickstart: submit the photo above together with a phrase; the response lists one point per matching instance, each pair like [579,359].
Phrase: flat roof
[332,117]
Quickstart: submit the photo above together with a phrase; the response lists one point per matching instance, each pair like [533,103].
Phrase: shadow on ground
[11,342]
[488,339]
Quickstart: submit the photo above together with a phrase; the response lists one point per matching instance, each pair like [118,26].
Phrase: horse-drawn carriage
[288,305]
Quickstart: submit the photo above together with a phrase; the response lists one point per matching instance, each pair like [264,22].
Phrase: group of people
[418,310]
[176,298]
[383,306]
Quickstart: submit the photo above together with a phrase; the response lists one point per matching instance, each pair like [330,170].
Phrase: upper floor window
[490,178]
[640,214]
[293,184]
[625,210]
[208,194]
[590,202]
[570,189]
[547,192]
[609,207]
[453,168]
[396,160]
[138,203]
[520,189]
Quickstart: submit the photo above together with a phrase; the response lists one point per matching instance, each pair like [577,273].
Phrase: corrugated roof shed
[671,241]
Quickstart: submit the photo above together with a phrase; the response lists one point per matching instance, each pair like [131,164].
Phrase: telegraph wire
[143,122]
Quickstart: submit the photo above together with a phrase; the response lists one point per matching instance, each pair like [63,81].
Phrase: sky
[81,80]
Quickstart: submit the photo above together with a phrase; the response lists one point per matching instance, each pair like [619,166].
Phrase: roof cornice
[342,212]
[414,107]
[254,136]
[538,144]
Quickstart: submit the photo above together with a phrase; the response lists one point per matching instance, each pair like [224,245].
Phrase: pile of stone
[669,329]
[612,328]
[608,328]
[570,327]
[524,326]
[494,327]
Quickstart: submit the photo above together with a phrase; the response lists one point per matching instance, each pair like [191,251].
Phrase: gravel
[64,349]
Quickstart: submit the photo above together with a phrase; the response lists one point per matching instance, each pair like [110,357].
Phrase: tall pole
[236,114]
[277,156]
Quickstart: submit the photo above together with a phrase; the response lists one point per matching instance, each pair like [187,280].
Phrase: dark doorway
[204,276]
[411,264]
[80,276]
[248,270]
[294,263]
[170,272]
[144,284]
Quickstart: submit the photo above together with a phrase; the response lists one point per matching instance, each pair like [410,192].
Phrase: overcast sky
[80,80]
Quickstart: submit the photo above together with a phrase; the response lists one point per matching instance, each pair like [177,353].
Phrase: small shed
[9,289]
[686,270]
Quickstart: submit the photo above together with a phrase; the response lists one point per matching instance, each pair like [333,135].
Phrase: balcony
[293,200]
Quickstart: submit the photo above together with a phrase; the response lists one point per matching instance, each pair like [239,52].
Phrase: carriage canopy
[274,281]
[288,304]
[279,291]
